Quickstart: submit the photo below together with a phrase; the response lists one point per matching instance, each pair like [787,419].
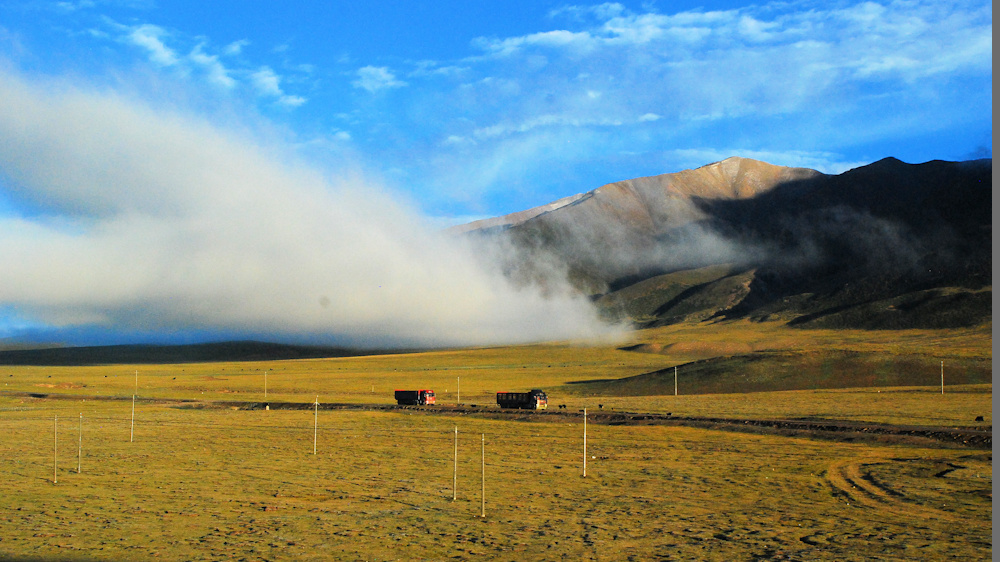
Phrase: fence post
[79,452]
[454,478]
[55,450]
[942,377]
[483,514]
[131,430]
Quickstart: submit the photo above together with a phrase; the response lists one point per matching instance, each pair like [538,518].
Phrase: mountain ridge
[731,169]
[885,245]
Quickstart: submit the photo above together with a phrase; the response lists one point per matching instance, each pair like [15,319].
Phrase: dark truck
[534,400]
[414,397]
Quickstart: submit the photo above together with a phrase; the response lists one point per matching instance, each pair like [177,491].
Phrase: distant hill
[766,371]
[151,354]
[888,245]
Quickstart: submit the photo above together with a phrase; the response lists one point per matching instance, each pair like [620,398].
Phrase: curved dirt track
[836,430]
[854,481]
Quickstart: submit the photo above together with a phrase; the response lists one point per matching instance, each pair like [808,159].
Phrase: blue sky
[477,110]
[454,110]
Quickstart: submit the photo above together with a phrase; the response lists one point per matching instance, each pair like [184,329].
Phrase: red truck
[414,397]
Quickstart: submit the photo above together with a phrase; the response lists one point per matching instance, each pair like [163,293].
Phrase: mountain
[887,245]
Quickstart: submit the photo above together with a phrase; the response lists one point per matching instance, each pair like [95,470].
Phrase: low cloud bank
[128,218]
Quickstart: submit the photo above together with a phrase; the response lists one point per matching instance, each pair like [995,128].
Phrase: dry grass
[221,484]
[481,373]
[922,406]
[691,342]
[230,484]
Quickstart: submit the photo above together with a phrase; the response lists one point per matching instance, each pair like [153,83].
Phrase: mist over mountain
[887,245]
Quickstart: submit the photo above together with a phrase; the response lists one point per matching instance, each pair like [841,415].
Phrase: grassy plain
[232,484]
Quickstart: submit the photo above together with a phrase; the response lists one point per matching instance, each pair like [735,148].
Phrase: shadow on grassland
[793,370]
[161,354]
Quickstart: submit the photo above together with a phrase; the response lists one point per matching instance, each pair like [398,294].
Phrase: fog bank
[124,217]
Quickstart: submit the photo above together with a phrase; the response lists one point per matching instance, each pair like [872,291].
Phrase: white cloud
[236,47]
[755,30]
[575,13]
[376,78]
[800,84]
[434,68]
[148,37]
[215,70]
[539,121]
[74,6]
[690,66]
[782,77]
[550,39]
[164,49]
[160,222]
[292,101]
[457,140]
[267,83]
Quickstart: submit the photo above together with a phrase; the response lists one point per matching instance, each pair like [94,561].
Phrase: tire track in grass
[852,480]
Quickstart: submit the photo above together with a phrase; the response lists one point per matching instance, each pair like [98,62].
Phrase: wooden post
[675,380]
[483,514]
[79,450]
[458,400]
[265,384]
[942,377]
[454,478]
[584,442]
[55,451]
[315,425]
[131,431]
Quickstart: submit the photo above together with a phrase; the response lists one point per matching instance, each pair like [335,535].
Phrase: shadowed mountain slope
[768,371]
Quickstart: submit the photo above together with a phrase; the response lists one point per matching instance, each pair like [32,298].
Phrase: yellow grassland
[233,484]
